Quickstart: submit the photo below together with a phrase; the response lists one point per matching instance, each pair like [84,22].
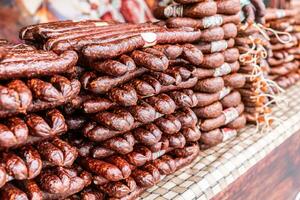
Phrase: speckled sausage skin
[35,31]
[238,123]
[77,41]
[150,174]
[129,93]
[163,104]
[101,84]
[205,99]
[148,60]
[15,96]
[38,94]
[17,131]
[231,100]
[197,10]
[212,61]
[177,22]
[231,55]
[210,111]
[119,47]
[57,153]
[211,124]
[150,135]
[206,47]
[25,165]
[38,66]
[228,7]
[209,85]
[212,34]
[235,80]
[110,67]
[202,73]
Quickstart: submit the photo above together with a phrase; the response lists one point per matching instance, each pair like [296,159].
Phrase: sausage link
[184,98]
[81,40]
[231,100]
[119,189]
[35,67]
[230,30]
[58,182]
[210,85]
[30,32]
[119,120]
[203,23]
[191,134]
[25,165]
[205,99]
[197,10]
[212,34]
[192,54]
[39,127]
[235,80]
[148,135]
[150,61]
[168,124]
[57,152]
[16,96]
[231,55]
[226,68]
[122,145]
[215,46]
[139,156]
[211,111]
[227,116]
[103,84]
[238,123]
[212,61]
[211,138]
[104,169]
[187,117]
[9,191]
[171,51]
[228,7]
[110,67]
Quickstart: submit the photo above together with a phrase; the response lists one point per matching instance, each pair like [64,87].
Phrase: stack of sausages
[35,162]
[219,102]
[284,63]
[254,50]
[132,122]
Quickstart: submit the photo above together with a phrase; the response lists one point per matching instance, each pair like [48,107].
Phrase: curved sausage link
[41,128]
[57,152]
[16,96]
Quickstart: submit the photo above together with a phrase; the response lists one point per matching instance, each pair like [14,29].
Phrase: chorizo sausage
[210,85]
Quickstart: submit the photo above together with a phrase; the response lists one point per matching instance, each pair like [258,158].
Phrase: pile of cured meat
[96,109]
[285,46]
[104,110]
[219,107]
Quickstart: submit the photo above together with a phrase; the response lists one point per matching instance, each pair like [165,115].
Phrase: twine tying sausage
[263,86]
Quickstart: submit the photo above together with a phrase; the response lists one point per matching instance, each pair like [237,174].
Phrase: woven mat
[217,167]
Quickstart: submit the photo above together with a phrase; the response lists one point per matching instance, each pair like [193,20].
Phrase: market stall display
[99,109]
[133,112]
[285,46]
[34,84]
[220,107]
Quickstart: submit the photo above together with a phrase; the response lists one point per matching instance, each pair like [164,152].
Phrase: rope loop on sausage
[264,88]
[262,29]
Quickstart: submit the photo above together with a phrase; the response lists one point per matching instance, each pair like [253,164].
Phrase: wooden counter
[277,176]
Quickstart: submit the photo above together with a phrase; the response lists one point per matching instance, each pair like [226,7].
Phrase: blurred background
[16,13]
